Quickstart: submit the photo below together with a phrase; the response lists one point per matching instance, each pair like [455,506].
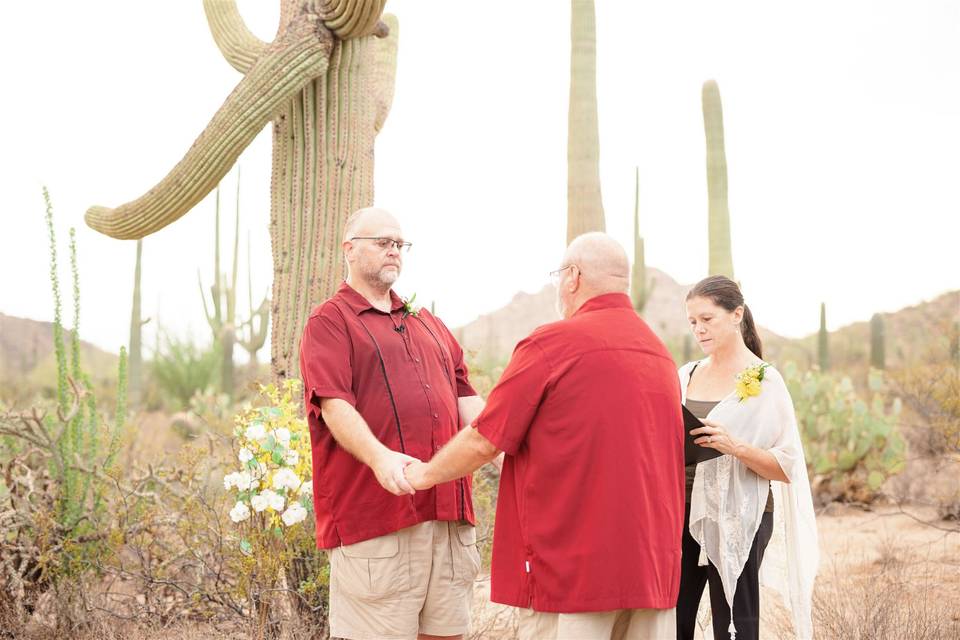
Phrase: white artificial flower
[240,512]
[283,436]
[306,489]
[286,479]
[291,457]
[295,513]
[276,500]
[256,432]
[260,501]
[230,480]
[245,455]
[243,481]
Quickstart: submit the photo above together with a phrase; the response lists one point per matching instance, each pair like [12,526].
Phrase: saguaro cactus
[584,202]
[721,255]
[326,82]
[877,347]
[639,288]
[223,300]
[823,340]
[135,362]
[254,330]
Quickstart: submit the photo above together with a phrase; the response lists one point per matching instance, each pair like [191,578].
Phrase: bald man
[589,517]
[386,385]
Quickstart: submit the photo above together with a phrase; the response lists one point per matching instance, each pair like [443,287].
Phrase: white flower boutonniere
[408,308]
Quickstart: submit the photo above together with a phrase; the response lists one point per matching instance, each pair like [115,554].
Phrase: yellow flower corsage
[748,381]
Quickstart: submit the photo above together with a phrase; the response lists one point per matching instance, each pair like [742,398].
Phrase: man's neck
[379,298]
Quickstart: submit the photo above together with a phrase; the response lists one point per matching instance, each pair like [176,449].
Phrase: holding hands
[389,467]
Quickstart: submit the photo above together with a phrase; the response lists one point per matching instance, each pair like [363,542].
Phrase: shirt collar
[605,301]
[359,304]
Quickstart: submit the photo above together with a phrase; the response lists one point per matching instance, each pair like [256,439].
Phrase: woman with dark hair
[748,416]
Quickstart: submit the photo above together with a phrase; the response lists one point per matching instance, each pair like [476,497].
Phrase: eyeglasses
[384,243]
[556,273]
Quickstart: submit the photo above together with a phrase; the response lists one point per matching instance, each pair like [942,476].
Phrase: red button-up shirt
[590,511]
[403,374]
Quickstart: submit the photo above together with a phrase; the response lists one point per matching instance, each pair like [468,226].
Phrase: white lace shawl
[728,500]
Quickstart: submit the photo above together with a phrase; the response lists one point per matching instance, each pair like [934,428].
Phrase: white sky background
[842,124]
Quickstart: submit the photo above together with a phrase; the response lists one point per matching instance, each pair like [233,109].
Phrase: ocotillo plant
[326,82]
[721,255]
[823,340]
[877,347]
[223,295]
[135,368]
[79,440]
[640,289]
[584,202]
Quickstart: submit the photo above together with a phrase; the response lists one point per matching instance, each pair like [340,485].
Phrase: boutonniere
[408,308]
[748,381]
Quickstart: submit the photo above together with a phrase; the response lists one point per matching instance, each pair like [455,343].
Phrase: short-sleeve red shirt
[403,374]
[590,511]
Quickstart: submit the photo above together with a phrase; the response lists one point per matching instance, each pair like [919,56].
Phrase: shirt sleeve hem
[498,440]
[318,393]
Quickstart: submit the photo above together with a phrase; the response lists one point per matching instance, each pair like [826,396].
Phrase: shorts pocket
[372,568]
[466,563]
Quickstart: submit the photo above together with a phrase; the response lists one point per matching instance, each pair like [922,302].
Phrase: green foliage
[852,445]
[182,368]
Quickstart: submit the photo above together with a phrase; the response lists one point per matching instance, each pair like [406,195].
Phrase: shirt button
[436,415]
[416,360]
[426,386]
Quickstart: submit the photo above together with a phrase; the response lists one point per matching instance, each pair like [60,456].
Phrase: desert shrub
[181,368]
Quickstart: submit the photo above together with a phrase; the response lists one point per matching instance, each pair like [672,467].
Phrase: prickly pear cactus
[852,445]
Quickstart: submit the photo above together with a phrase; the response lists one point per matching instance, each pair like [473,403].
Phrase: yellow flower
[748,381]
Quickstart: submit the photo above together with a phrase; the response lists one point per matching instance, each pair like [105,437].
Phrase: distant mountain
[28,361]
[912,333]
[493,336]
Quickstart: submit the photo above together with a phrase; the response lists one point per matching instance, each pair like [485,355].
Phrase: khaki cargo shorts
[418,579]
[625,624]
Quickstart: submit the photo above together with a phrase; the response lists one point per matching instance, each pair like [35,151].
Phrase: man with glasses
[590,510]
[386,385]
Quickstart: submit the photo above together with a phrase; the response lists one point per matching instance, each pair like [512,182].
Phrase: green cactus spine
[721,254]
[877,345]
[823,340]
[584,201]
[326,83]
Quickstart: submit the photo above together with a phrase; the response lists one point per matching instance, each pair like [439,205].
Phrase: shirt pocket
[372,569]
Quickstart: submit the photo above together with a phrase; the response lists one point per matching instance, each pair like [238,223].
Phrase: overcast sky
[842,123]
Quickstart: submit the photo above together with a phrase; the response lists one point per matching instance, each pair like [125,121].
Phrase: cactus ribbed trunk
[135,363]
[322,172]
[638,280]
[721,254]
[823,340]
[584,201]
[326,82]
[878,359]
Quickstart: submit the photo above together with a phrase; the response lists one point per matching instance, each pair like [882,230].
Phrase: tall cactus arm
[351,18]
[236,42]
[385,69]
[299,55]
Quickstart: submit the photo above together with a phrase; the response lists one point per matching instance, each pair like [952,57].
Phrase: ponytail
[749,331]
